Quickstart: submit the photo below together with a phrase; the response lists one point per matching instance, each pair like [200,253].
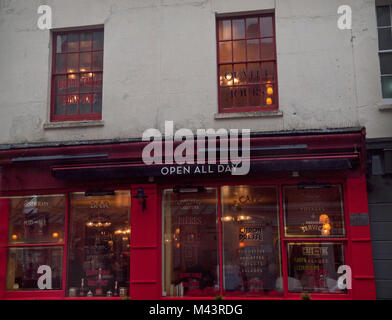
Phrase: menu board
[312,267]
[313,211]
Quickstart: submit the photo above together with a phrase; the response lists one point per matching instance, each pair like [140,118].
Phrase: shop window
[237,248]
[247,72]
[99,244]
[251,242]
[384,27]
[312,267]
[77,75]
[190,244]
[23,271]
[35,242]
[313,211]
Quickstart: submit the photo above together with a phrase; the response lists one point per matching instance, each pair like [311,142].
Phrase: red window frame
[247,108]
[77,73]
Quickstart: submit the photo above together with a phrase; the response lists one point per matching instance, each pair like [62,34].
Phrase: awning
[257,165]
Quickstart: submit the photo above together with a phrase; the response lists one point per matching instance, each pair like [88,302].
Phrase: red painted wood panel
[363,284]
[145,246]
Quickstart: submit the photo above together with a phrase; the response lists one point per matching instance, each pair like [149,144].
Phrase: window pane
[73,83]
[239,29]
[252,28]
[383,16]
[99,243]
[386,87]
[72,104]
[225,52]
[61,43]
[266,27]
[253,49]
[98,40]
[226,75]
[190,243]
[23,264]
[97,103]
[60,84]
[73,61]
[36,219]
[384,39]
[226,97]
[240,96]
[224,30]
[73,42]
[386,63]
[312,267]
[60,63]
[268,71]
[60,105]
[267,48]
[253,72]
[85,41]
[239,50]
[85,62]
[97,61]
[255,95]
[239,74]
[251,245]
[85,103]
[313,211]
[98,82]
[86,82]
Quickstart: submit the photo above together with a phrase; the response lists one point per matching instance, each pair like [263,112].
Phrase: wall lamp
[141,198]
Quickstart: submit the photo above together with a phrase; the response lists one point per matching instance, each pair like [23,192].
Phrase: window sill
[73,124]
[385,107]
[252,114]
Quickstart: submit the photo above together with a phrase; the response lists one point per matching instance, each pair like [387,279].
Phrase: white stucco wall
[160,64]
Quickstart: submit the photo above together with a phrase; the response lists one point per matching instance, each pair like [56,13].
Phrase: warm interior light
[270,91]
[241,244]
[55,235]
[177,245]
[227,218]
[14,237]
[324,218]
[228,76]
[269,101]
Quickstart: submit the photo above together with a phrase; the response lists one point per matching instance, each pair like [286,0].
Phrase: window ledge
[73,124]
[385,107]
[253,114]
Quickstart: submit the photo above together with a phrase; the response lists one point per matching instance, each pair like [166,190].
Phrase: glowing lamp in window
[55,235]
[270,91]
[268,101]
[14,237]
[324,218]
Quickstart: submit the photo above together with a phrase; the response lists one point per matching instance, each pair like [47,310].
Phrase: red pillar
[363,284]
[145,246]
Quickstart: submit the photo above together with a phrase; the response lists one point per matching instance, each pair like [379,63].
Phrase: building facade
[84,216]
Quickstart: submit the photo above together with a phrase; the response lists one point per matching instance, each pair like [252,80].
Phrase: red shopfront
[106,226]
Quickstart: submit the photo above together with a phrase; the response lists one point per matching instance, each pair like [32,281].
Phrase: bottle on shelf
[98,290]
[116,291]
[82,289]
